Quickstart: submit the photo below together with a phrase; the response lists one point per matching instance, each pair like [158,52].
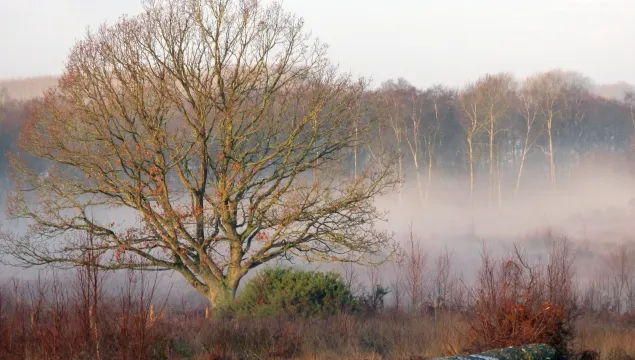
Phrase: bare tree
[356,147]
[619,273]
[629,99]
[416,119]
[413,135]
[483,104]
[396,286]
[391,106]
[499,92]
[550,90]
[560,272]
[576,97]
[90,289]
[415,265]
[529,110]
[442,100]
[350,277]
[374,297]
[444,283]
[472,103]
[207,121]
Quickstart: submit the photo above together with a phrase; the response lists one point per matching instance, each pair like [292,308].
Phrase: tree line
[507,132]
[497,127]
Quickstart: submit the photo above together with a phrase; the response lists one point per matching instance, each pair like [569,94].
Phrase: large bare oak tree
[222,127]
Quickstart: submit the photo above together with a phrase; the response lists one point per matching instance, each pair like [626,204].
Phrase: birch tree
[439,102]
[550,89]
[484,104]
[529,110]
[413,129]
[499,92]
[472,106]
[390,102]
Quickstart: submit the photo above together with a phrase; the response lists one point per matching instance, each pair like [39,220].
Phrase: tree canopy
[222,126]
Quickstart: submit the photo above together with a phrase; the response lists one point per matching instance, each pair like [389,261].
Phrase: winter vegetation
[313,215]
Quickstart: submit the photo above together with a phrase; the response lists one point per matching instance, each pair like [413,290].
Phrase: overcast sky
[425,41]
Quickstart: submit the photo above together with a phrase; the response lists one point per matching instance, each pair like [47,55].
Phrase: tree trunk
[491,161]
[552,167]
[355,149]
[429,184]
[222,296]
[355,160]
[522,162]
[471,229]
[471,160]
[498,179]
[419,184]
[400,170]
[520,173]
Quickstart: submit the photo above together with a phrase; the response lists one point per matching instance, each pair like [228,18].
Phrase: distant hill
[27,88]
[615,91]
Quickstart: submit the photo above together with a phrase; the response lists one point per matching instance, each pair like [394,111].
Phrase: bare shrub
[415,266]
[517,303]
[397,285]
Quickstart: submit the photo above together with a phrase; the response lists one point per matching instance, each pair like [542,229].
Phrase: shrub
[293,292]
[372,302]
[518,304]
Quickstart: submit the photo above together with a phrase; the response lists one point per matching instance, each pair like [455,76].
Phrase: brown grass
[41,321]
[512,302]
[610,338]
[47,321]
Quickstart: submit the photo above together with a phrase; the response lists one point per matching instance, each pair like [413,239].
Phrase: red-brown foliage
[518,304]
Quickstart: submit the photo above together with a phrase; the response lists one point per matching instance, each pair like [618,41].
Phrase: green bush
[276,292]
